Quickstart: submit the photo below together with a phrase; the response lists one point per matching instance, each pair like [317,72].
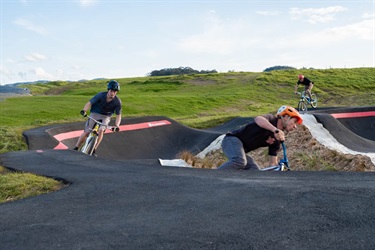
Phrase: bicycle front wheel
[89,146]
[302,106]
[314,102]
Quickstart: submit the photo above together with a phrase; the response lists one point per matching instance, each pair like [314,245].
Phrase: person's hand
[83,113]
[280,136]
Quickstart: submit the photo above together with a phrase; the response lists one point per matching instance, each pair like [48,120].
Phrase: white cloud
[4,70]
[363,30]
[219,37]
[268,13]
[22,75]
[317,15]
[30,26]
[368,15]
[86,3]
[25,2]
[40,73]
[35,57]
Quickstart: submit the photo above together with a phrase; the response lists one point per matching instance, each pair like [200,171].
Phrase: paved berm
[124,199]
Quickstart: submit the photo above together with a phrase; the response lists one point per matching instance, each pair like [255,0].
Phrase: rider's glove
[83,113]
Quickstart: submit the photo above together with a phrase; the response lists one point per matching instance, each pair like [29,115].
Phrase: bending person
[265,131]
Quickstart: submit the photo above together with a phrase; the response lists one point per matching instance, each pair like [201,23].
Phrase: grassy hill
[198,101]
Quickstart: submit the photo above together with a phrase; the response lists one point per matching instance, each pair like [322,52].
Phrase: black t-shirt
[100,105]
[306,81]
[252,136]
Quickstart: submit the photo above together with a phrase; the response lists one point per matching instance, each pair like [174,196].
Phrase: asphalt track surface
[124,199]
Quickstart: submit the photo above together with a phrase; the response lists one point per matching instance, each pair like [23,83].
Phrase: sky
[73,40]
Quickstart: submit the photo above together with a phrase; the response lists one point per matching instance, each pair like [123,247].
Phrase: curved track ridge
[325,137]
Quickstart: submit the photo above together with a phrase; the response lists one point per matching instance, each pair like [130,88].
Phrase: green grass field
[198,101]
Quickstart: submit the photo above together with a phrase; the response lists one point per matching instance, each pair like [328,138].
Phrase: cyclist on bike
[265,131]
[102,106]
[308,85]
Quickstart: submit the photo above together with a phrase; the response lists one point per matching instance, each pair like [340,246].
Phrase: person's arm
[264,123]
[85,109]
[87,106]
[295,88]
[118,120]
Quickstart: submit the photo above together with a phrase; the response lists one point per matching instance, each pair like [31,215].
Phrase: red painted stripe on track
[77,133]
[354,114]
[61,146]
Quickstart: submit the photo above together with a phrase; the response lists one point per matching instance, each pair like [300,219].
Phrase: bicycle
[91,140]
[305,100]
[283,164]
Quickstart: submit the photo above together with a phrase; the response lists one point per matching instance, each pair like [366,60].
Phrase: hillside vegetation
[197,101]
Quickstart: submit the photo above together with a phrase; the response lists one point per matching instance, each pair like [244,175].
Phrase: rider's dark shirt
[306,81]
[100,105]
[252,136]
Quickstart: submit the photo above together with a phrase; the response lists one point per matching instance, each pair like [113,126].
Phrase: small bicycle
[305,100]
[283,163]
[91,140]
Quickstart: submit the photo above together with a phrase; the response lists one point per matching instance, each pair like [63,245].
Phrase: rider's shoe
[75,148]
[94,154]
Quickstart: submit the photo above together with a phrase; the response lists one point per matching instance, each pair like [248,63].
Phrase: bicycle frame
[283,163]
[305,100]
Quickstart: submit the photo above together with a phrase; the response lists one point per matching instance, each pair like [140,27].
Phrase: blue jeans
[233,149]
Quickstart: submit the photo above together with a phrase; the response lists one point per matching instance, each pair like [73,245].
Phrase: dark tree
[278,68]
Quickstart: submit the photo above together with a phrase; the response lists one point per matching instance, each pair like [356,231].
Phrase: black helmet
[114,85]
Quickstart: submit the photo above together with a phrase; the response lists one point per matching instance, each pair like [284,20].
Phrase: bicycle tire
[92,144]
[302,106]
[89,145]
[314,102]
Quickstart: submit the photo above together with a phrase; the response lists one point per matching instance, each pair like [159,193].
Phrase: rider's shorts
[90,123]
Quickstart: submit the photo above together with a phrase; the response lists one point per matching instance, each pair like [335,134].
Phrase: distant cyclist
[308,85]
[265,131]
[102,106]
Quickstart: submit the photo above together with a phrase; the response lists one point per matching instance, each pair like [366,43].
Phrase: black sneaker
[75,148]
[93,153]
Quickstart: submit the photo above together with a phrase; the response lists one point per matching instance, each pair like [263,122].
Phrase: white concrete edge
[174,163]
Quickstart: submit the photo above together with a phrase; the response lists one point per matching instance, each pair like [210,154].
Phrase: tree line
[189,70]
[179,71]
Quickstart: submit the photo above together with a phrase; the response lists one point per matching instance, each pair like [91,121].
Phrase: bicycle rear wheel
[314,101]
[302,106]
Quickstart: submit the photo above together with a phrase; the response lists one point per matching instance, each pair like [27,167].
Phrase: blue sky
[87,39]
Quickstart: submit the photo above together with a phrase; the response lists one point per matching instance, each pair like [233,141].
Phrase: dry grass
[212,160]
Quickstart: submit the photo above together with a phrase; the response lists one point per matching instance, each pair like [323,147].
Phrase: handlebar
[113,128]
